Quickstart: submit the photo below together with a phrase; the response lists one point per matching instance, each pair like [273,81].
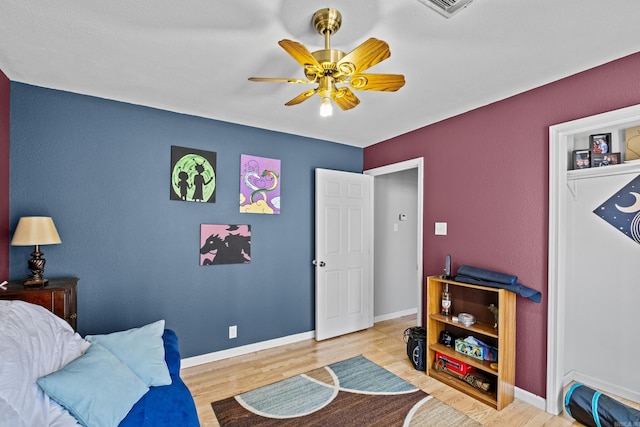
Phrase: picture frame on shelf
[600,143]
[632,144]
[598,160]
[581,159]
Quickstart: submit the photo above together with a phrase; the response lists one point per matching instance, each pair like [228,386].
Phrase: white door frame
[560,145]
[417,163]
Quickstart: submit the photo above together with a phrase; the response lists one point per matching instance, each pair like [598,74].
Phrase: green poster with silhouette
[193,175]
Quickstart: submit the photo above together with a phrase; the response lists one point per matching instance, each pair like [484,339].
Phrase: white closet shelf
[623,168]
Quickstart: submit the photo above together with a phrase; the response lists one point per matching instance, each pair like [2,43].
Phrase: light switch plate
[441,228]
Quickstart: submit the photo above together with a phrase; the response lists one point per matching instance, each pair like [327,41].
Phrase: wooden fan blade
[344,98]
[301,54]
[381,82]
[368,54]
[278,80]
[302,97]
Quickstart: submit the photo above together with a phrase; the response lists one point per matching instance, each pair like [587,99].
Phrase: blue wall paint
[101,169]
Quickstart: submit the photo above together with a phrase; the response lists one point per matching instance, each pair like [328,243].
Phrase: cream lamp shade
[35,230]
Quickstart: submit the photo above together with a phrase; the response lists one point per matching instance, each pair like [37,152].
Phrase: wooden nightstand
[59,296]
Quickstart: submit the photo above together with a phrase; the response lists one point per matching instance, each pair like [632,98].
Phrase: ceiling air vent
[447,8]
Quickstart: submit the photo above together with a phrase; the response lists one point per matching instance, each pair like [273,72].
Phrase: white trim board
[395,315]
[264,345]
[245,349]
[530,398]
[599,384]
[417,163]
[561,143]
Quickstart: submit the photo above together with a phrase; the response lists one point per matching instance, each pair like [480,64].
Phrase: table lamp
[35,230]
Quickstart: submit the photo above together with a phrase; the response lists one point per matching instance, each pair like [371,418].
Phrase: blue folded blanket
[480,276]
[488,275]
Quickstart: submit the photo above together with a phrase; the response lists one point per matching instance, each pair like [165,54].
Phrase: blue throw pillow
[97,388]
[142,349]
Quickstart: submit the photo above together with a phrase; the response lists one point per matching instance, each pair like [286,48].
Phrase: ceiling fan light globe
[326,109]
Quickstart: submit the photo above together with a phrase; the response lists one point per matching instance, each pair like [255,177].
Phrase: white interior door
[343,263]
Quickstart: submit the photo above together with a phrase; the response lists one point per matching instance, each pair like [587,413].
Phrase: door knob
[318,264]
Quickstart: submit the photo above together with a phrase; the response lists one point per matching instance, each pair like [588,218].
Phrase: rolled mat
[594,409]
[468,274]
[488,275]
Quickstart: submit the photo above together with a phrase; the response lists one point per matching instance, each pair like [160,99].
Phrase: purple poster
[259,185]
[225,244]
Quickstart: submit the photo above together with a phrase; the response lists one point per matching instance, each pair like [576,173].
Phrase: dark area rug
[354,392]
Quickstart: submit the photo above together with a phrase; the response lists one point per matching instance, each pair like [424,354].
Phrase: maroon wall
[4,175]
[486,175]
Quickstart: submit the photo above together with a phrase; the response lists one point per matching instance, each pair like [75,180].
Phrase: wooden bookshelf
[474,299]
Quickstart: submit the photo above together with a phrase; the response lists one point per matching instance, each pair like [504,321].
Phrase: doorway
[397,241]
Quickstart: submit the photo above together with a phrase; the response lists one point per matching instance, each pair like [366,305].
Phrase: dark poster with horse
[225,244]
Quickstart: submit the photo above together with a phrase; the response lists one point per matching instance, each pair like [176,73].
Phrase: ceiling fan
[328,67]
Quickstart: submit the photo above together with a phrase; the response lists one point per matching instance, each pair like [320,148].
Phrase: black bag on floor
[416,339]
[594,409]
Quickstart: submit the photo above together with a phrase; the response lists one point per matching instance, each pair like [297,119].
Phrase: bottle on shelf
[447,309]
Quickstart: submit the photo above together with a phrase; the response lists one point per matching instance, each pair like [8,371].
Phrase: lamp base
[32,282]
[36,266]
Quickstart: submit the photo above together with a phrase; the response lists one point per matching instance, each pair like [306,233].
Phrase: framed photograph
[600,143]
[615,158]
[581,159]
[598,160]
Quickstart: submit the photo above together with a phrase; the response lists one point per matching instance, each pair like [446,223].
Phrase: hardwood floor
[382,344]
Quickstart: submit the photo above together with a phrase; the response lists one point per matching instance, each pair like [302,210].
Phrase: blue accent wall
[101,169]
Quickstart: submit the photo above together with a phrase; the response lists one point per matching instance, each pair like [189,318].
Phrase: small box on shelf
[476,350]
[454,365]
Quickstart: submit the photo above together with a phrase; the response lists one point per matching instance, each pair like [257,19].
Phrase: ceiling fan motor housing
[328,58]
[326,20]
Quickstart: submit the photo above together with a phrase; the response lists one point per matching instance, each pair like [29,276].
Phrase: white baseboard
[606,387]
[541,403]
[250,348]
[395,315]
[245,349]
[530,398]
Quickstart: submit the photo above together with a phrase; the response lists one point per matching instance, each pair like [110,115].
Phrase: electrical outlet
[233,331]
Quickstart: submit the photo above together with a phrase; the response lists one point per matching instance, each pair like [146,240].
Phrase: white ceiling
[194,56]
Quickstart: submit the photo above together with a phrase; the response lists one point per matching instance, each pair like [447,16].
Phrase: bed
[51,376]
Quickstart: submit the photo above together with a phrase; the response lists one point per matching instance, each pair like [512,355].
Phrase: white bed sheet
[33,343]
